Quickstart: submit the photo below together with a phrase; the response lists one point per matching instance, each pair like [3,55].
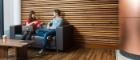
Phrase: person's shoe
[40,53]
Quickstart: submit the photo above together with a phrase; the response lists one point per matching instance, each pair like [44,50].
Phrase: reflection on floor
[73,54]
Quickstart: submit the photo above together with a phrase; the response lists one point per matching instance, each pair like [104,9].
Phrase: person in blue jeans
[50,28]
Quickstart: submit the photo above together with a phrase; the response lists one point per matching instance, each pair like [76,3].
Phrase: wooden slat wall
[95,21]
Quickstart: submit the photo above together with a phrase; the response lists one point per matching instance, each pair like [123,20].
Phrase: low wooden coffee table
[20,45]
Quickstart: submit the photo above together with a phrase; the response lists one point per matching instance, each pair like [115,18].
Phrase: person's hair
[57,11]
[30,16]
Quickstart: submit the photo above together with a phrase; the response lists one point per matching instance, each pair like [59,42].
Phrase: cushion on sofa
[18,36]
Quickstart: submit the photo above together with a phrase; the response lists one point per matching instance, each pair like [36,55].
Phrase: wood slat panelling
[95,21]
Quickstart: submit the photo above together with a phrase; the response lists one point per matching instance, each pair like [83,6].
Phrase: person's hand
[34,22]
[48,27]
[28,25]
[31,23]
[23,24]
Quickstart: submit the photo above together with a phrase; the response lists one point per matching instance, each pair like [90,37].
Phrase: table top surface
[15,43]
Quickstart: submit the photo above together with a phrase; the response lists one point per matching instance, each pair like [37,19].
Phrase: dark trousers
[45,33]
[27,35]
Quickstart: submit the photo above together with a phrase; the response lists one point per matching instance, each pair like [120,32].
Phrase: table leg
[3,53]
[21,53]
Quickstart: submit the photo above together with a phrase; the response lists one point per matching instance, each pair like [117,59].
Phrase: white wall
[12,14]
[17,12]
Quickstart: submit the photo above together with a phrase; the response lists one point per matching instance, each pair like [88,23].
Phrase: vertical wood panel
[95,21]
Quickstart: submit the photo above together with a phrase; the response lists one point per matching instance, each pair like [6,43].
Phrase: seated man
[50,30]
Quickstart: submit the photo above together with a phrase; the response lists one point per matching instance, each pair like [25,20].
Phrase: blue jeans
[45,33]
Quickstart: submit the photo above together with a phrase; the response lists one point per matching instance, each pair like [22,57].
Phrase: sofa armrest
[64,37]
[15,29]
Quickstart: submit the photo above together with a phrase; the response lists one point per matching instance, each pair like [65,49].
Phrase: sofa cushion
[18,36]
[39,42]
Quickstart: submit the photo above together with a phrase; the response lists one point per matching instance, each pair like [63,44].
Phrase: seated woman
[50,28]
[29,26]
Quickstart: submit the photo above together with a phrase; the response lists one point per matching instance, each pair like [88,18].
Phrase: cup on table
[4,38]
